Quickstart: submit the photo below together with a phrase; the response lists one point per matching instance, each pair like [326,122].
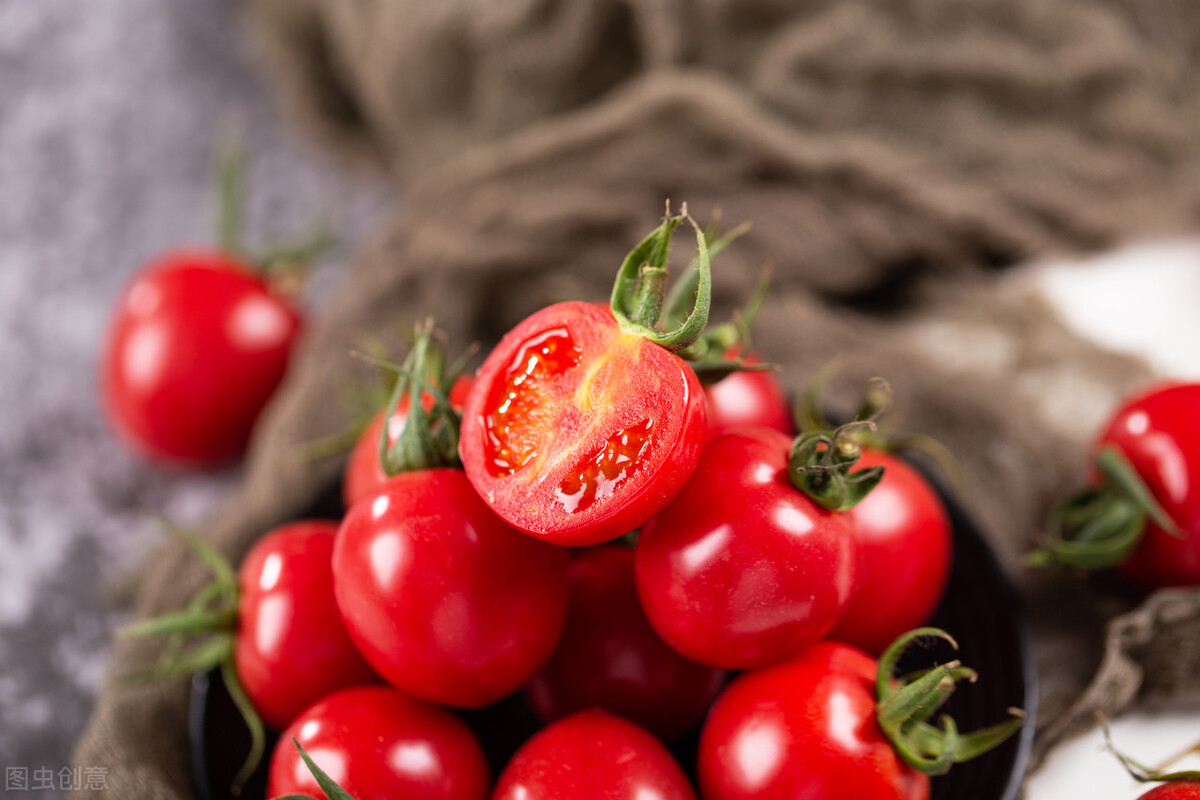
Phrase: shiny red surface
[197,347]
[804,729]
[363,469]
[593,755]
[610,658]
[448,602]
[1173,791]
[577,432]
[378,744]
[748,399]
[905,547]
[741,569]
[1159,432]
[292,648]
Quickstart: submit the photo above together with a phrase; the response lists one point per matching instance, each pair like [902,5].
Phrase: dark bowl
[980,609]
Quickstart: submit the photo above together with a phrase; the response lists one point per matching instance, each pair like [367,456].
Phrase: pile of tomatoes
[614,520]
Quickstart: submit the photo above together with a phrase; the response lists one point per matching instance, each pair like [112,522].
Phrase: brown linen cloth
[891,156]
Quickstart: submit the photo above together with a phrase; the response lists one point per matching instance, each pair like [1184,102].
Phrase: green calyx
[1143,774]
[820,464]
[328,785]
[639,294]
[907,704]
[1100,526]
[429,438]
[200,639]
[282,263]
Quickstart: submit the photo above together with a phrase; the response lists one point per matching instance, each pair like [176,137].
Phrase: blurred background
[108,117]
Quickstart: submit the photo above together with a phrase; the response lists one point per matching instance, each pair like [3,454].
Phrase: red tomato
[805,728]
[1186,790]
[445,600]
[198,346]
[576,431]
[904,545]
[378,744]
[742,569]
[593,755]
[748,399]
[1159,433]
[364,471]
[609,657]
[292,648]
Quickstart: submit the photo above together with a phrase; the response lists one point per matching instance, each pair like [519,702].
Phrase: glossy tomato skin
[379,744]
[577,432]
[593,754]
[292,648]
[748,399]
[742,570]
[1159,433]
[1184,790]
[905,548]
[610,658]
[804,728]
[364,470]
[447,601]
[196,349]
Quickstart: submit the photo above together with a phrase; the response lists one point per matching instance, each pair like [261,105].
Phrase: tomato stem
[820,463]
[1140,772]
[906,705]
[1100,526]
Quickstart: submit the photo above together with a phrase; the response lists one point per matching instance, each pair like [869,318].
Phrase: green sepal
[1144,774]
[820,464]
[639,292]
[328,785]
[905,706]
[1100,526]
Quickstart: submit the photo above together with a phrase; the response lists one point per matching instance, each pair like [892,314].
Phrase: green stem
[820,463]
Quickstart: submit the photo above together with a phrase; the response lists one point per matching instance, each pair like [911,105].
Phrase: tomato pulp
[576,431]
[198,346]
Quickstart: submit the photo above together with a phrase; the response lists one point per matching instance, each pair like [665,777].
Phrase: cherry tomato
[363,470]
[292,648]
[609,657]
[748,399]
[198,346]
[742,569]
[905,545]
[593,755]
[805,728]
[1159,433]
[379,744]
[1186,790]
[576,431]
[448,602]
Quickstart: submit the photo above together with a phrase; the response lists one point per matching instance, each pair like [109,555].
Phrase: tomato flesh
[577,432]
[804,728]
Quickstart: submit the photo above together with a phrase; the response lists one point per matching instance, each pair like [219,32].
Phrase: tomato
[576,431]
[805,728]
[593,754]
[448,602]
[364,470]
[609,657]
[197,347]
[742,569]
[1159,434]
[748,399]
[291,647]
[1174,791]
[378,744]
[905,544]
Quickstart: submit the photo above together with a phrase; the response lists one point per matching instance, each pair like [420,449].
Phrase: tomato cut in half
[576,431]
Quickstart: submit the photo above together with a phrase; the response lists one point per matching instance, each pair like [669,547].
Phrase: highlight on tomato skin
[577,432]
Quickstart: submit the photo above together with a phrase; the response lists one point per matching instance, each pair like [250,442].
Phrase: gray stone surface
[108,112]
